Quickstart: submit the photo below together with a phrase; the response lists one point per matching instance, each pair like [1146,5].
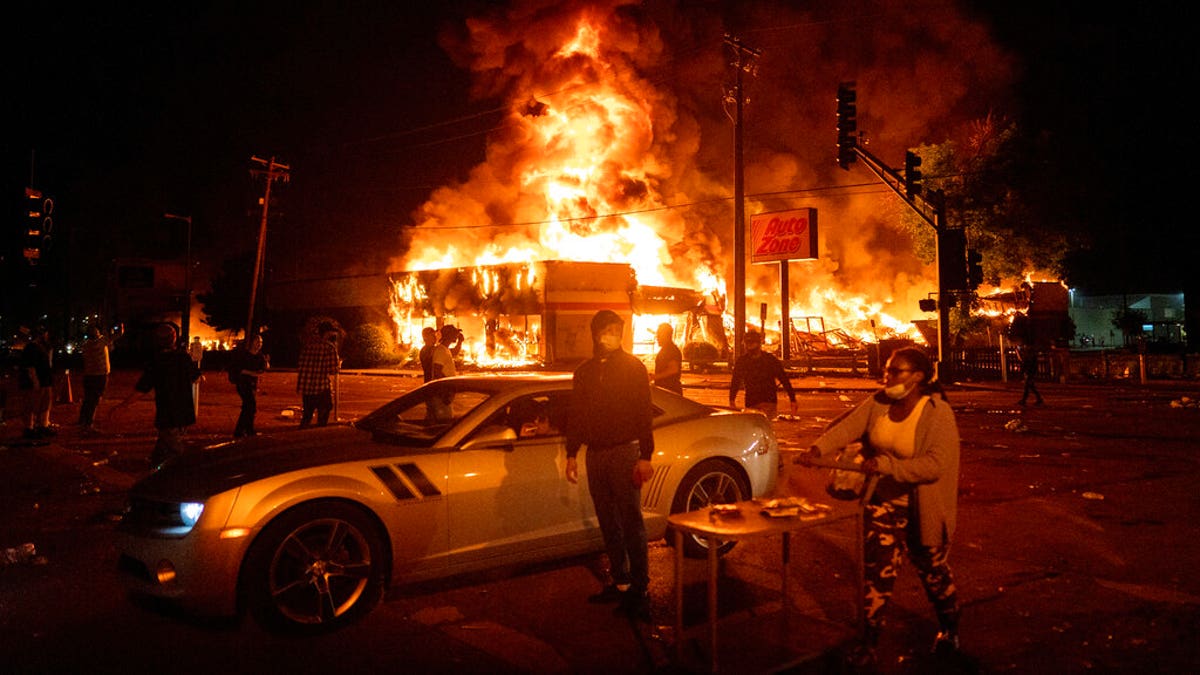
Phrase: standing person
[425,356]
[318,361]
[668,363]
[96,367]
[1029,365]
[196,350]
[249,364]
[612,416]
[758,372]
[36,379]
[442,359]
[169,373]
[453,338]
[910,438]
[441,364]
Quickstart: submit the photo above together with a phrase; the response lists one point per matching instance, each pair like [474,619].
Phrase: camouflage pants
[888,533]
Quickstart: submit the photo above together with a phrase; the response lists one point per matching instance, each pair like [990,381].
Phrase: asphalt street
[1076,553]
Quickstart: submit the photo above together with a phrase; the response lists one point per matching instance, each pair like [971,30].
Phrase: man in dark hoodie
[612,416]
[169,373]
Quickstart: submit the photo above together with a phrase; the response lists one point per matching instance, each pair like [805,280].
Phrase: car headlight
[161,518]
[189,513]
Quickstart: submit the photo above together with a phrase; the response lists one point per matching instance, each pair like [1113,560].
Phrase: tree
[368,346]
[1130,322]
[998,189]
[228,301]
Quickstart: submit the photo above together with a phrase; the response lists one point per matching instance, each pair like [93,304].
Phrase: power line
[871,188]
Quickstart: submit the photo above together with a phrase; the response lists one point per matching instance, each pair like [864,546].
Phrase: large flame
[596,162]
[580,177]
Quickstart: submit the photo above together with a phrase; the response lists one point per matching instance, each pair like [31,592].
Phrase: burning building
[606,169]
[539,312]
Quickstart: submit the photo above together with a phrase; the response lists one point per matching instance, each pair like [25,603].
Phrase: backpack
[234,371]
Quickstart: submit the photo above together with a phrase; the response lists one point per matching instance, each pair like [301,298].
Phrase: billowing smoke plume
[617,144]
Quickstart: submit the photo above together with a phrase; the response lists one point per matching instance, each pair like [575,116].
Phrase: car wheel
[709,482]
[317,567]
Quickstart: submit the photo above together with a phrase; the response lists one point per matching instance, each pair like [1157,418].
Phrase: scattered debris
[1095,496]
[1016,426]
[1185,402]
[25,554]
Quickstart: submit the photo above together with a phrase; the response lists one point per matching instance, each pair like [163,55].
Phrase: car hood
[202,472]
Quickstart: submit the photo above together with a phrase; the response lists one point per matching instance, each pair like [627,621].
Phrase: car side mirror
[492,437]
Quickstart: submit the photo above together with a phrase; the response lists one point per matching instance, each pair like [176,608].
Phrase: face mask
[897,391]
[610,342]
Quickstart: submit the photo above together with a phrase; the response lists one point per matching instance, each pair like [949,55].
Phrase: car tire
[316,568]
[710,482]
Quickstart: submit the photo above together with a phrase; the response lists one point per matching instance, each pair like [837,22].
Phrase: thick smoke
[922,69]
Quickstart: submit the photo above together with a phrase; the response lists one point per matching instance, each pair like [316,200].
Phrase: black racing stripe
[392,482]
[419,479]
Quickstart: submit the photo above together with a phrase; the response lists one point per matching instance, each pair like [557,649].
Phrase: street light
[186,315]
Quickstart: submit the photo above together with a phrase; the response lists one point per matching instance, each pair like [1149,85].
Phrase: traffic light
[38,225]
[974,269]
[951,252]
[847,124]
[928,304]
[912,175]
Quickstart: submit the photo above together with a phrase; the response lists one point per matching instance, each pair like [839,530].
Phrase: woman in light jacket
[910,438]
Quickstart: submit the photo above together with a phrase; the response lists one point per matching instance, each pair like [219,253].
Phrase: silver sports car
[308,528]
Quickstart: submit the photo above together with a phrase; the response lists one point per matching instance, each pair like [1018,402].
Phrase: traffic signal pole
[908,187]
[931,210]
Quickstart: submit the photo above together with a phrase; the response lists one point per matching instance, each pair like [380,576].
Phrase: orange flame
[580,172]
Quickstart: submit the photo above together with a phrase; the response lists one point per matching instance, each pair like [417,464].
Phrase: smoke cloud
[648,86]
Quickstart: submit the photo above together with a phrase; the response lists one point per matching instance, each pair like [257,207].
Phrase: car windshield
[421,416]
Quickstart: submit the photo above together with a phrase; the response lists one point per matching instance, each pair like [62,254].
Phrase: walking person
[668,362]
[1029,366]
[611,415]
[758,372]
[249,364]
[96,368]
[319,361]
[36,379]
[910,439]
[169,373]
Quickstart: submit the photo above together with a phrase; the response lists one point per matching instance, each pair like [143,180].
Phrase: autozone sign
[783,235]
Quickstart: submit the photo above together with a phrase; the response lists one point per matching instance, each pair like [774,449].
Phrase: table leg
[712,601]
[787,556]
[861,564]
[679,596]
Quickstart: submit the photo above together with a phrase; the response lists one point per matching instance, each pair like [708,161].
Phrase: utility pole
[185,317]
[273,171]
[743,63]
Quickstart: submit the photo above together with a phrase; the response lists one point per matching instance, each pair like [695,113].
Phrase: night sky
[124,111]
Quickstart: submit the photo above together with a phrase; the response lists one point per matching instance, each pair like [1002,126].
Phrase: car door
[509,497]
